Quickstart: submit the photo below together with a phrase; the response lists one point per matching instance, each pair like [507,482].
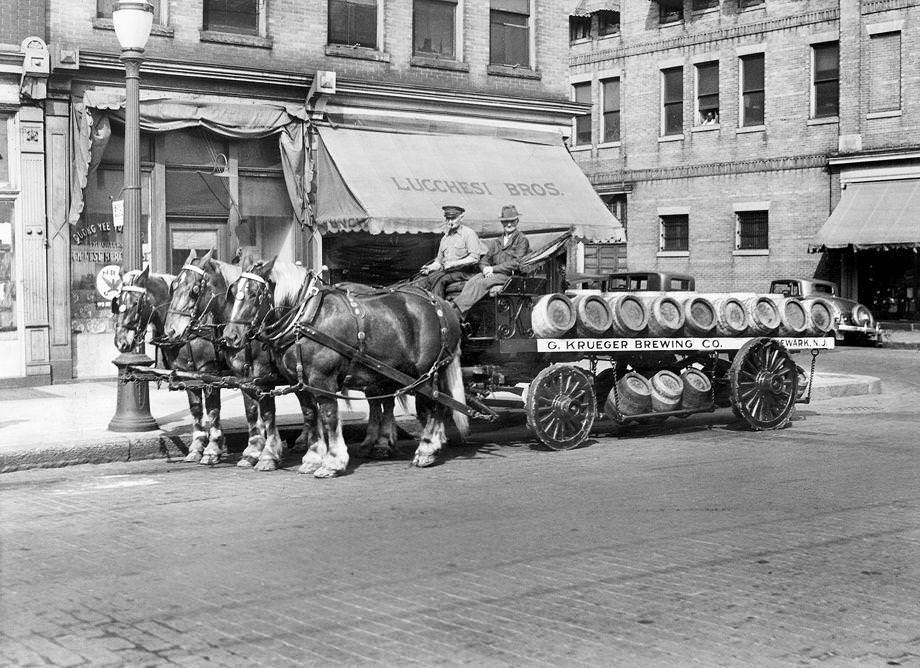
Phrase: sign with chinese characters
[108,281]
[118,214]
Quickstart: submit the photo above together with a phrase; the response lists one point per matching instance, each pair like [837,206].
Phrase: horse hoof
[210,460]
[307,469]
[324,472]
[193,457]
[246,462]
[266,465]
[381,452]
[423,460]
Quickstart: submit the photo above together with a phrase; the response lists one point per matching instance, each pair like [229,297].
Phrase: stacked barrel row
[634,394]
[680,314]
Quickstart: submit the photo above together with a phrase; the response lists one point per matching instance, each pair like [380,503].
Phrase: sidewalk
[60,425]
[900,335]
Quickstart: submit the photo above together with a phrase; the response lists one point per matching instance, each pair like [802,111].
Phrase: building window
[751,230]
[703,5]
[434,28]
[675,232]
[752,90]
[241,17]
[745,4]
[707,93]
[605,258]
[104,9]
[579,28]
[610,92]
[582,93]
[509,33]
[608,23]
[885,72]
[826,91]
[353,22]
[7,263]
[672,101]
[670,11]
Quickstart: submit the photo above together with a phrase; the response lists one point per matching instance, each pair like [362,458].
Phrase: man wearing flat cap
[503,258]
[458,254]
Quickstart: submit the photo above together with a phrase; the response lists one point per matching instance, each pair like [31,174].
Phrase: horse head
[251,296]
[197,291]
[132,310]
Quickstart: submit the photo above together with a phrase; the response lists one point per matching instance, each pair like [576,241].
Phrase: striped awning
[588,7]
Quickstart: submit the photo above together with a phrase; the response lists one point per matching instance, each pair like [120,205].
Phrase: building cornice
[710,169]
[876,6]
[863,158]
[694,39]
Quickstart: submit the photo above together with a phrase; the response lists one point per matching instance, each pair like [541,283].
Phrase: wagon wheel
[763,384]
[561,406]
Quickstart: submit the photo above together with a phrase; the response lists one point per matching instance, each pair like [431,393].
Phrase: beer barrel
[629,316]
[697,389]
[635,396]
[665,316]
[731,316]
[793,317]
[699,316]
[552,316]
[763,315]
[822,315]
[667,390]
[592,315]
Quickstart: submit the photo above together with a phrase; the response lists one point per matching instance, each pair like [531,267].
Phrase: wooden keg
[665,316]
[697,389]
[635,396]
[552,316]
[763,316]
[822,315]
[667,390]
[592,315]
[629,317]
[794,320]
[731,315]
[699,316]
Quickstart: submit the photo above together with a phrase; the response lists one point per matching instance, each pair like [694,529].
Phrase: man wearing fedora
[502,258]
[458,254]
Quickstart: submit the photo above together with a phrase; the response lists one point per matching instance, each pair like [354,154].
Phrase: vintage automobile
[636,281]
[854,321]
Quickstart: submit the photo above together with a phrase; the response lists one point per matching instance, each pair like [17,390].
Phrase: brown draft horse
[406,329]
[141,303]
[199,298]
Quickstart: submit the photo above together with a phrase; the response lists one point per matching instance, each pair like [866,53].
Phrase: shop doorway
[185,236]
[890,283]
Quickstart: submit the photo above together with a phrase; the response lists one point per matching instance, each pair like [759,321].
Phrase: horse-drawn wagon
[560,352]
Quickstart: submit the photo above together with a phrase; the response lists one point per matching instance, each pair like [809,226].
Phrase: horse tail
[453,379]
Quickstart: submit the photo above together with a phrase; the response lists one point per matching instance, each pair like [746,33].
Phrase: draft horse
[200,300]
[405,328]
[141,303]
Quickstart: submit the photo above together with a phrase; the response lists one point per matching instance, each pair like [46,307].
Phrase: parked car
[854,320]
[635,281]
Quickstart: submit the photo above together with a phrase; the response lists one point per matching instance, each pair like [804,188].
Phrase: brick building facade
[725,128]
[244,106]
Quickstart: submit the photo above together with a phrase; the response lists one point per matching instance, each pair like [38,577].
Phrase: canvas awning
[588,7]
[397,182]
[874,214]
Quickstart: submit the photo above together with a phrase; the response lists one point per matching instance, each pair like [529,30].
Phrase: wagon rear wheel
[561,406]
[764,381]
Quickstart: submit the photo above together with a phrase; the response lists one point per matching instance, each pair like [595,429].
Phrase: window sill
[663,253]
[235,39]
[514,72]
[439,63]
[705,128]
[581,40]
[357,52]
[754,8]
[826,120]
[611,144]
[893,113]
[671,24]
[751,252]
[580,148]
[668,138]
[613,35]
[156,29]
[750,128]
[704,12]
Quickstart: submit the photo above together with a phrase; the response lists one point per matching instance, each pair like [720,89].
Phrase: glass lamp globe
[132,20]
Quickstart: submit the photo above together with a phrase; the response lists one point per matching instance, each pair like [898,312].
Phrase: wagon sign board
[708,344]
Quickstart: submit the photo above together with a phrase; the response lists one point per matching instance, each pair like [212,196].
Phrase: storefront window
[186,238]
[4,151]
[7,269]
[192,192]
[267,215]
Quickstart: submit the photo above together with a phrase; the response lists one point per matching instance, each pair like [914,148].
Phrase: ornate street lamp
[132,20]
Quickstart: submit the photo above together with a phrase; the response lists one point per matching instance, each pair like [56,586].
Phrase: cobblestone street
[694,544]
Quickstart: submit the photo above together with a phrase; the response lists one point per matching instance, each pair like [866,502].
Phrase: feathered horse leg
[215,450]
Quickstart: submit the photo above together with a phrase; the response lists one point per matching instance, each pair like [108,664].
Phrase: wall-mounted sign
[118,214]
[108,281]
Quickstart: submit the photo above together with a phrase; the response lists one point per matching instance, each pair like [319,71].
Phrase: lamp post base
[132,412]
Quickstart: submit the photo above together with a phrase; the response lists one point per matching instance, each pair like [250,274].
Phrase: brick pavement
[695,544]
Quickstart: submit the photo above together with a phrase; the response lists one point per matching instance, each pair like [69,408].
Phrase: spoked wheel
[764,380]
[561,406]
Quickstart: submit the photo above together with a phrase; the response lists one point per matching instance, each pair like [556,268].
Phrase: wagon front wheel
[561,406]
[764,380]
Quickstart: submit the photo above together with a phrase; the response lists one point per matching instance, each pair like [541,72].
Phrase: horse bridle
[141,303]
[263,296]
[201,281]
